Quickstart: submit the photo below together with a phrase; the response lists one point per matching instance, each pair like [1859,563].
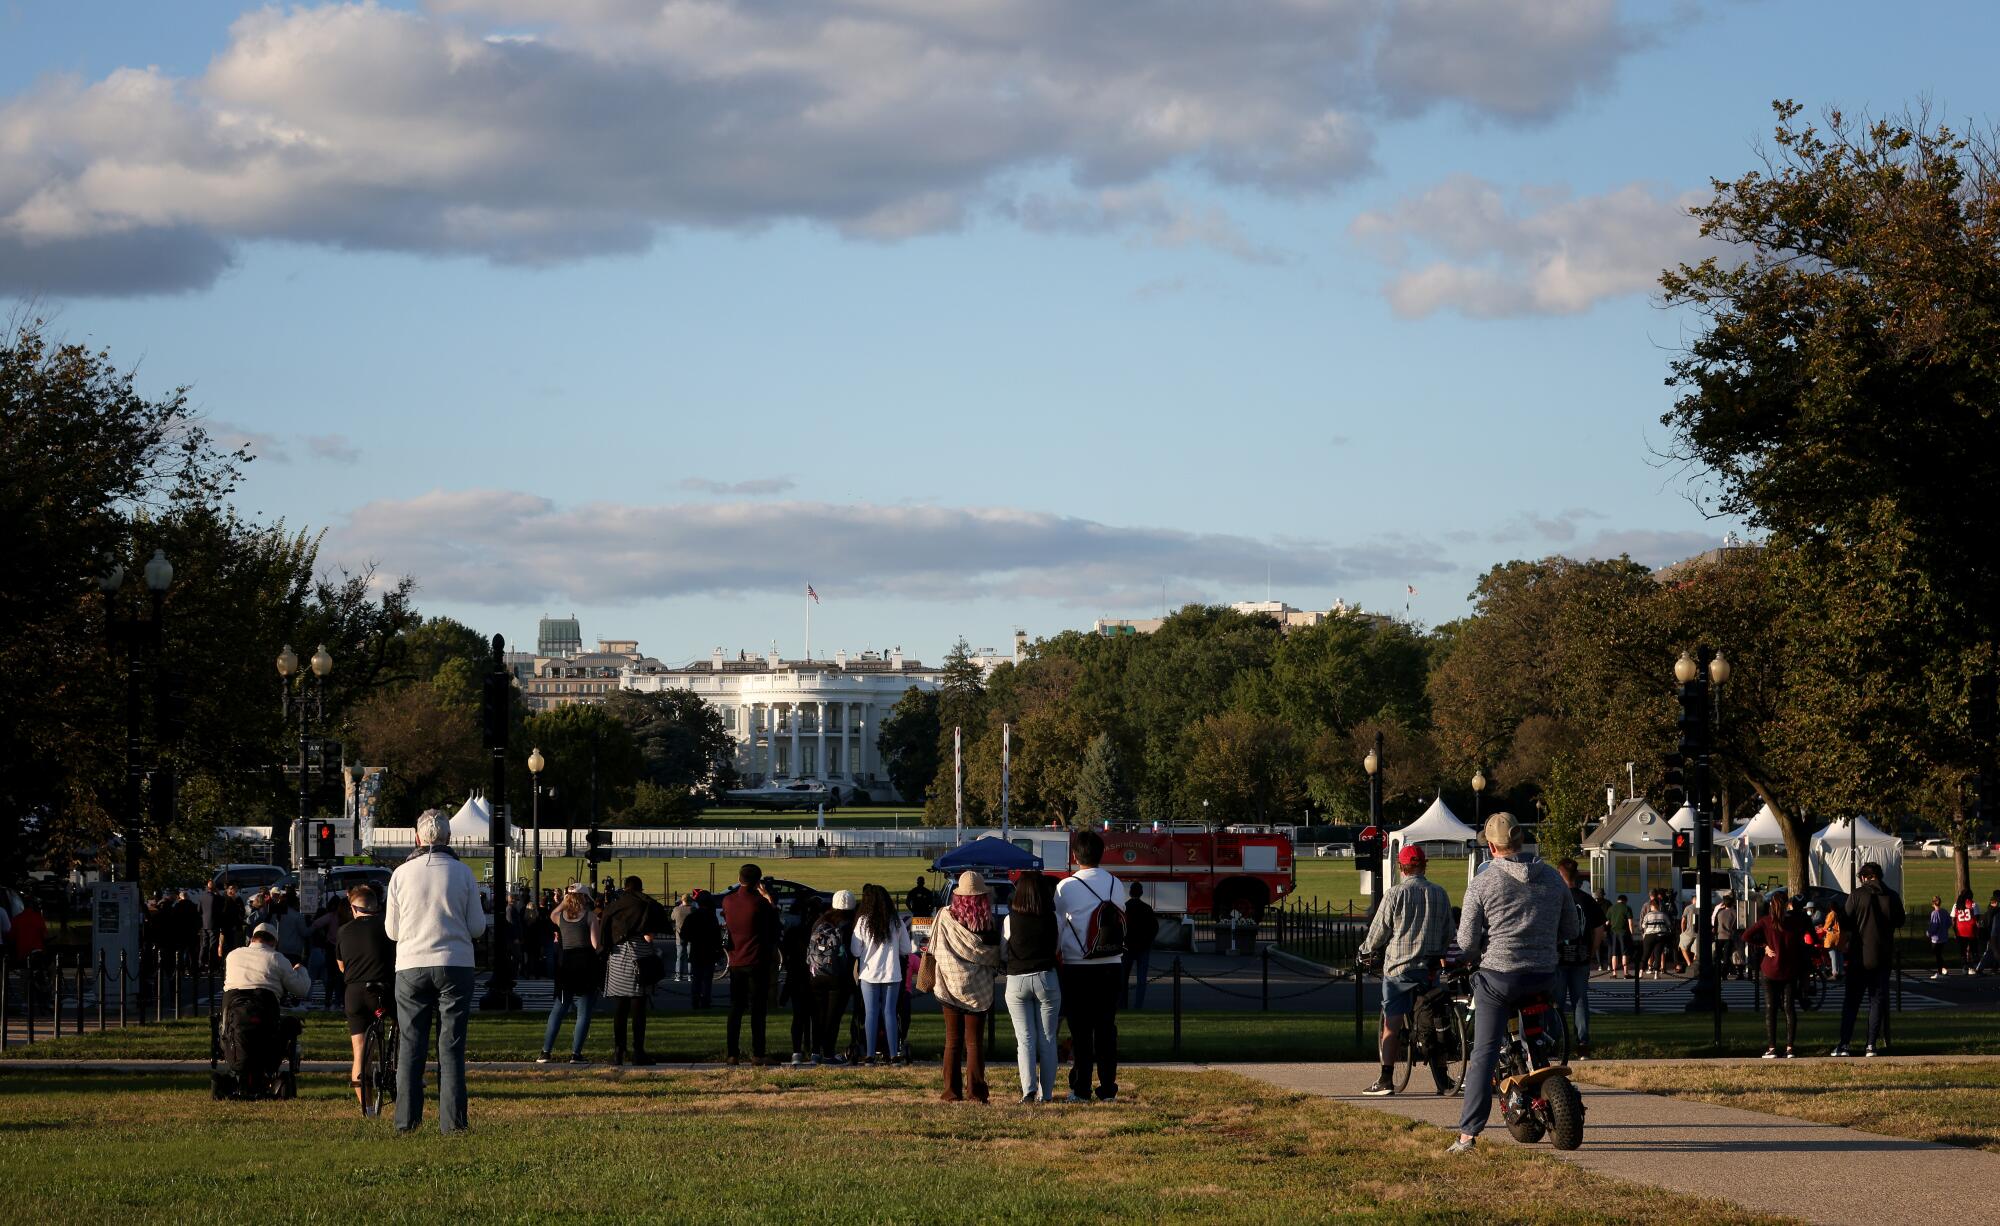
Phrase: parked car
[1936,849]
[250,878]
[343,877]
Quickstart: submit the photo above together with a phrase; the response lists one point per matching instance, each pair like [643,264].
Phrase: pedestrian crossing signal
[1683,848]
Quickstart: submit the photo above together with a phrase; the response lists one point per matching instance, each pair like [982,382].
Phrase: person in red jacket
[1965,925]
[1778,941]
[751,918]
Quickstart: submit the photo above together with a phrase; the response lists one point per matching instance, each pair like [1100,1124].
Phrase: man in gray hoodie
[1515,913]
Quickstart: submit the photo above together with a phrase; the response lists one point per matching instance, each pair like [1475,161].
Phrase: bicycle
[378,1055]
[1448,1034]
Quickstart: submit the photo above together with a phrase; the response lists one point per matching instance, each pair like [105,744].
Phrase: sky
[971,314]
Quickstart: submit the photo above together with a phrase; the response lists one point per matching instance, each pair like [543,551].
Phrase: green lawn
[1950,1102]
[854,1145]
[680,1036]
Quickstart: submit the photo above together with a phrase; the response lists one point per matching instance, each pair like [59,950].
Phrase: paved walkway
[1769,1163]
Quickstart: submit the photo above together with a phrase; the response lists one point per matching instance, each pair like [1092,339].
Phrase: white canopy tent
[1842,848]
[1742,843]
[472,825]
[1437,824]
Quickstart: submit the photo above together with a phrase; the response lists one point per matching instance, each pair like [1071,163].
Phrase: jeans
[878,1003]
[427,994]
[1495,996]
[1090,1002]
[964,1036]
[1781,994]
[1573,998]
[701,991]
[681,959]
[1130,994]
[584,1003]
[749,989]
[1860,981]
[1034,1002]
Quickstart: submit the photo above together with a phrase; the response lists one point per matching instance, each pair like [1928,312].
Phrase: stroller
[253,1048]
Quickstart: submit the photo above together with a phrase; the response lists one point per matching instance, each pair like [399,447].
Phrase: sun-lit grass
[740,1147]
[1937,1100]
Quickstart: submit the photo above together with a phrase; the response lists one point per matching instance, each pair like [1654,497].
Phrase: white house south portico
[800,719]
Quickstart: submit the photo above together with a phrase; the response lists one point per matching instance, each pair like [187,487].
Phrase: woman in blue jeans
[1034,995]
[579,936]
[880,943]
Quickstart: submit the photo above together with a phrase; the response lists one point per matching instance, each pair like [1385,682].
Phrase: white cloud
[546,130]
[750,487]
[1463,245]
[1646,546]
[261,444]
[507,547]
[332,447]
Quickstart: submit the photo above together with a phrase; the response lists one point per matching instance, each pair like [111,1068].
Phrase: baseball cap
[577,887]
[1503,831]
[1411,856]
[263,928]
[843,900]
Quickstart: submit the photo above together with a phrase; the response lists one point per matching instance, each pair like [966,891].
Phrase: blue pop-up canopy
[986,851]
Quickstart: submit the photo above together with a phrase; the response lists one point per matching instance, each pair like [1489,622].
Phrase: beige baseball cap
[1503,831]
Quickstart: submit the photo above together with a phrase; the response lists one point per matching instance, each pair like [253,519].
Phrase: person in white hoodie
[433,915]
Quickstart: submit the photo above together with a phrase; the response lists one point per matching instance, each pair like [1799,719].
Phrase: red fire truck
[1187,871]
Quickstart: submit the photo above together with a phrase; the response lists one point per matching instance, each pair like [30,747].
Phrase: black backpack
[1106,936]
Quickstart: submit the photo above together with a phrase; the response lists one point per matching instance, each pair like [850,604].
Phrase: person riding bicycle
[1516,912]
[1410,933]
[367,957]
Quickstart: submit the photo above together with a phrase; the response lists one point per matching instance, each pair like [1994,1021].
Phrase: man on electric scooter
[1410,933]
[1515,913]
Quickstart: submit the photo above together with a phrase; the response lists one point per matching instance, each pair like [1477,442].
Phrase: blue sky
[974,316]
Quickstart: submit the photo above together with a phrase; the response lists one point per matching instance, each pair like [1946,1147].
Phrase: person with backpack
[879,945]
[1091,932]
[798,990]
[1937,929]
[1965,925]
[1655,926]
[1874,913]
[1142,928]
[1034,995]
[830,961]
[966,955]
[1410,933]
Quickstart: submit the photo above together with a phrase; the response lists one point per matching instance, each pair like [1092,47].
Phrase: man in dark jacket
[703,937]
[751,918]
[1142,928]
[1871,915]
[921,902]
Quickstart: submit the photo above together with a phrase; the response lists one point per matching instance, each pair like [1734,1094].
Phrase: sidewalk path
[1766,1162]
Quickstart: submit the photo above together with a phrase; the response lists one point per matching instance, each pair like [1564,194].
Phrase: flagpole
[1006,736]
[809,622]
[957,787]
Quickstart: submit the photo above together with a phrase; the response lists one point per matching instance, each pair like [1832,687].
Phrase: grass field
[771,1147]
[681,1037]
[1944,1101]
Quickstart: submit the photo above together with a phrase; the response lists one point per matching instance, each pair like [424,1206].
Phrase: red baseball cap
[1411,856]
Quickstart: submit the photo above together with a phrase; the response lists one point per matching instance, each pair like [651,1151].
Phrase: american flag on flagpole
[811,593]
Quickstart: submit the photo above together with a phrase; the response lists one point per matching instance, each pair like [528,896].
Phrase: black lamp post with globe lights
[141,636]
[1696,673]
[309,704]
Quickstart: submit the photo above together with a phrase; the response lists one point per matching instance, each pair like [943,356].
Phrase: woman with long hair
[1778,941]
[580,937]
[965,947]
[880,943]
[1034,994]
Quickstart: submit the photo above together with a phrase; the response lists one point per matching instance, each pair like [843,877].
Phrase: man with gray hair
[433,916]
[1516,911]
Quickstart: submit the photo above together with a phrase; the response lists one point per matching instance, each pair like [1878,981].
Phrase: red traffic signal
[326,830]
[1683,848]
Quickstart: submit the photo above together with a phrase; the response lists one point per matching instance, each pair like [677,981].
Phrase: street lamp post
[140,635]
[310,703]
[1478,789]
[1373,765]
[535,764]
[1696,674]
[356,775]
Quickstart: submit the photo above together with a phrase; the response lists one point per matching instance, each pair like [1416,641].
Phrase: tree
[1103,794]
[592,761]
[1183,672]
[907,741]
[1244,766]
[684,747]
[429,745]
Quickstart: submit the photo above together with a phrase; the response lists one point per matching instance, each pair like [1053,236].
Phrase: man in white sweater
[433,915]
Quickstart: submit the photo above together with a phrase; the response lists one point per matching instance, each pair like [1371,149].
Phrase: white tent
[1436,824]
[1762,830]
[1845,846]
[472,825]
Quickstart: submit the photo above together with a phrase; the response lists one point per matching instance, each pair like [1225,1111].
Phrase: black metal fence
[53,994]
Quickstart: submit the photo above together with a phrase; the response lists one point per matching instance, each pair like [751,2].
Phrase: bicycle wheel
[371,1082]
[388,1068]
[1461,1043]
[1410,1056]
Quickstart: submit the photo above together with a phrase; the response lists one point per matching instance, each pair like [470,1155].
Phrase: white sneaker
[1937,974]
[1790,1054]
[1770,1053]
[1870,1051]
[1840,1051]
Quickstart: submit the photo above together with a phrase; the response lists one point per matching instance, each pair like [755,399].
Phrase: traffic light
[1694,718]
[598,845]
[326,847]
[1683,848]
[1675,778]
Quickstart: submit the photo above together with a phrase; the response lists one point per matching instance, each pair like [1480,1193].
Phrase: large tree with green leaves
[684,748]
[907,741]
[1103,793]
